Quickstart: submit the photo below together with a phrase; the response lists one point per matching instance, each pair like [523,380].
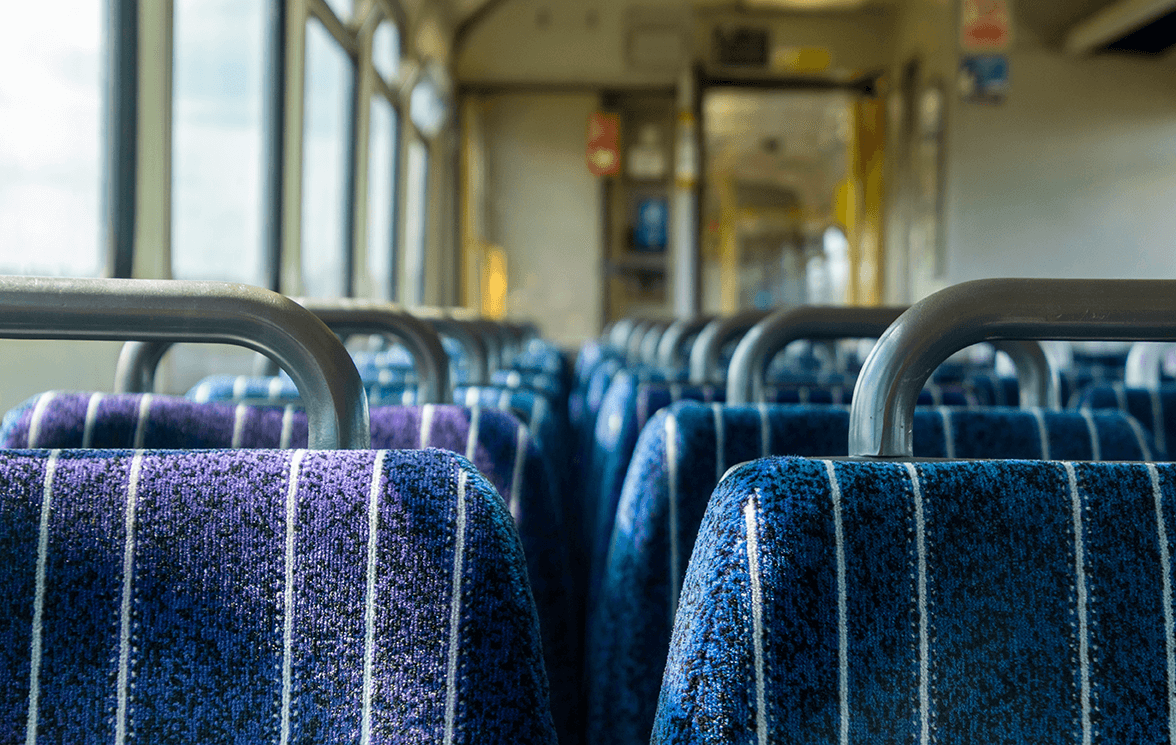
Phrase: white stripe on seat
[471,397]
[516,481]
[274,391]
[1042,432]
[720,445]
[1158,421]
[32,719]
[1166,576]
[671,433]
[504,400]
[141,424]
[757,617]
[921,607]
[124,616]
[369,608]
[426,424]
[948,432]
[455,612]
[288,595]
[472,435]
[238,425]
[765,431]
[91,419]
[1140,437]
[1081,610]
[240,386]
[287,428]
[39,414]
[842,611]
[1095,449]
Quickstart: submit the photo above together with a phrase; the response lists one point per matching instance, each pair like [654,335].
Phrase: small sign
[653,216]
[984,78]
[985,26]
[603,154]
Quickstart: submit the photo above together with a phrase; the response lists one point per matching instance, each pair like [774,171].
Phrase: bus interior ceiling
[766,152]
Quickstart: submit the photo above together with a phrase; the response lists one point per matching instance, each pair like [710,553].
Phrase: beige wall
[1073,175]
[543,208]
[578,43]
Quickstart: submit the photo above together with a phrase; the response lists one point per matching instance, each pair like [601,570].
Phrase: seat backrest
[999,601]
[1155,409]
[263,596]
[500,446]
[682,456]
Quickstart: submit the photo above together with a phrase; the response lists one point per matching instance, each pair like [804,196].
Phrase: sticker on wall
[985,26]
[603,154]
[653,216]
[984,78]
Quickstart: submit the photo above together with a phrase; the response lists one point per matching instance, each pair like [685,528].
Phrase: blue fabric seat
[635,396]
[963,602]
[1154,409]
[263,596]
[499,445]
[681,457]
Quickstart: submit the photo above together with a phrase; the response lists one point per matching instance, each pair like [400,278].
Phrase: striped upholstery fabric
[682,456]
[1155,409]
[263,596]
[633,398]
[499,445]
[982,602]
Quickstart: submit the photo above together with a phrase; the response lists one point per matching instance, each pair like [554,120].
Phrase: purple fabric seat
[263,596]
[500,446]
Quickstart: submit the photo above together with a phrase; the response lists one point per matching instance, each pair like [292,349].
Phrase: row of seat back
[224,595]
[886,598]
[680,459]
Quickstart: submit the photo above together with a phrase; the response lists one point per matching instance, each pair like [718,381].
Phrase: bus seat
[498,444]
[1154,408]
[254,596]
[1000,601]
[681,458]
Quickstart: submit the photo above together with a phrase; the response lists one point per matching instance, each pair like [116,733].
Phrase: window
[416,217]
[330,81]
[50,138]
[386,51]
[381,251]
[341,8]
[217,141]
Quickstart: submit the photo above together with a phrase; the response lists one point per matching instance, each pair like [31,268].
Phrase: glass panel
[50,135]
[778,168]
[330,76]
[381,252]
[427,107]
[217,141]
[416,218]
[386,51]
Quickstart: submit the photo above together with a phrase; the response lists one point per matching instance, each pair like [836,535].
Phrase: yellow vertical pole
[728,242]
[871,144]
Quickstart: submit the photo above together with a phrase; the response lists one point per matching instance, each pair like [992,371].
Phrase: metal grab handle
[1143,365]
[708,347]
[207,312]
[749,364]
[349,316]
[632,347]
[466,335]
[669,352]
[882,414]
[618,333]
[1038,382]
[138,360]
[647,348]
